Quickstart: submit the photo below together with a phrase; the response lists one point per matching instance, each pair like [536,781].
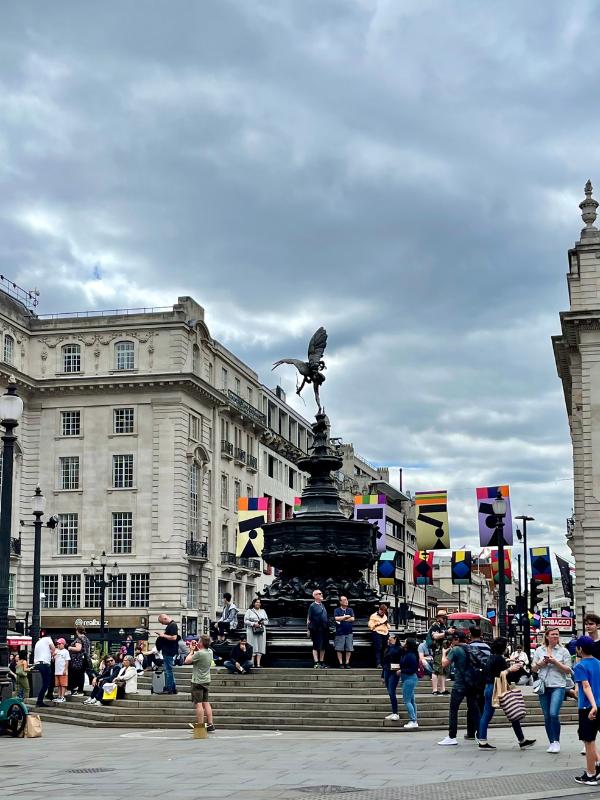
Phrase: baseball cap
[585,641]
[62,641]
[460,635]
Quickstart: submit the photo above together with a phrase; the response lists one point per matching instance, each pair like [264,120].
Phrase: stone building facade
[142,431]
[577,354]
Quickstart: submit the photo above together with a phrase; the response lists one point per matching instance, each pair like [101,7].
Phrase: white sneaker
[447,742]
[90,701]
[554,748]
[411,724]
[395,717]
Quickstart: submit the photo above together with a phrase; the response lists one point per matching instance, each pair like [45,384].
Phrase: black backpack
[476,668]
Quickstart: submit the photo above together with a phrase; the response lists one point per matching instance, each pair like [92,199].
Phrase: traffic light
[520,604]
[535,594]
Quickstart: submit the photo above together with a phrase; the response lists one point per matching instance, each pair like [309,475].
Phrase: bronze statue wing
[316,347]
[300,365]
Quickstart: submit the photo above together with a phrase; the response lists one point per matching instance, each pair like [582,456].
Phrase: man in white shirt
[42,657]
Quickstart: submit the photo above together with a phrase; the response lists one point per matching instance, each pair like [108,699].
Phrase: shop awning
[14,639]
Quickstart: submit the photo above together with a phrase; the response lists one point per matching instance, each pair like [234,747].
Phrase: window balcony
[195,549]
[15,546]
[240,455]
[234,562]
[226,449]
[246,410]
[252,464]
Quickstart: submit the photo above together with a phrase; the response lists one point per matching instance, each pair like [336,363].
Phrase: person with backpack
[496,666]
[465,687]
[480,655]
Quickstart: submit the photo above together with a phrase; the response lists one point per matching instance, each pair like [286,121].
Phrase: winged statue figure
[311,370]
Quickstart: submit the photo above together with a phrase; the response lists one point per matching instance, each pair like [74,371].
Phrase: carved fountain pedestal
[318,548]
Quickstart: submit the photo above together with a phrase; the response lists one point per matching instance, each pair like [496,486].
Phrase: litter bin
[36,681]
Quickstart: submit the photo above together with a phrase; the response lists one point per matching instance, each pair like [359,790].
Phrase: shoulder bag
[513,705]
[258,627]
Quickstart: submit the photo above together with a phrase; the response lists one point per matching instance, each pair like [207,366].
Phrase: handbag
[33,726]
[257,628]
[513,705]
[539,686]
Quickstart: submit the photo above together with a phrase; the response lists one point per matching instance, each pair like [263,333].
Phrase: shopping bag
[109,692]
[33,726]
[513,705]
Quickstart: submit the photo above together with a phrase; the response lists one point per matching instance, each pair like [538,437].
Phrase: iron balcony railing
[226,448]
[240,455]
[245,407]
[236,561]
[252,462]
[196,549]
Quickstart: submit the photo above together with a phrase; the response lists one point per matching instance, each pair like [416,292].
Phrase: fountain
[319,547]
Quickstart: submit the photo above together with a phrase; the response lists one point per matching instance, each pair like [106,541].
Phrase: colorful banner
[496,567]
[461,567]
[372,508]
[252,515]
[423,568]
[386,568]
[297,504]
[565,576]
[491,615]
[541,566]
[487,520]
[432,520]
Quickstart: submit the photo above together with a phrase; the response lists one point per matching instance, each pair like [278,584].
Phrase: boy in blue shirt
[586,674]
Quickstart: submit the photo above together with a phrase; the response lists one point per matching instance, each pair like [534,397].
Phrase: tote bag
[513,705]
[33,726]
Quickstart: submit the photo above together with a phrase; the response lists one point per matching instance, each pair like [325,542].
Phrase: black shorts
[199,693]
[320,639]
[588,728]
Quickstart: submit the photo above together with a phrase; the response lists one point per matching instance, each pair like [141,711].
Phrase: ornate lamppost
[11,410]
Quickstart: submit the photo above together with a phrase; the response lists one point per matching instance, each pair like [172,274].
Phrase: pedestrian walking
[42,658]
[586,674]
[169,647]
[256,621]
[479,653]
[62,658]
[464,687]
[497,666]
[317,623]
[343,643]
[391,672]
[200,657]
[409,665]
[379,627]
[551,664]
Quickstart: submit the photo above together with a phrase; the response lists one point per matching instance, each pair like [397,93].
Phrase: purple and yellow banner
[372,508]
[488,529]
[432,520]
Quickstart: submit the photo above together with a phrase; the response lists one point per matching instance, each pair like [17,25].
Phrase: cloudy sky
[404,172]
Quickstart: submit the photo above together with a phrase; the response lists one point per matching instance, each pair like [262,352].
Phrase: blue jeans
[45,671]
[246,666]
[379,645]
[488,713]
[169,677]
[391,683]
[551,701]
[409,685]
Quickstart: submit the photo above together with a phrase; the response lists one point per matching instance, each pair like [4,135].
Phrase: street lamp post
[103,577]
[499,509]
[38,506]
[11,409]
[526,625]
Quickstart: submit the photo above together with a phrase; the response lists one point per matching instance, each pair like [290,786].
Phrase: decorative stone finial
[588,211]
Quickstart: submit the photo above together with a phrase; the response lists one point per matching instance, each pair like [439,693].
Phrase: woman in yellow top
[378,625]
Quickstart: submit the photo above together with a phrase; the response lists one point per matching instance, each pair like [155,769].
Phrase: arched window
[71,356]
[9,349]
[124,355]
[196,359]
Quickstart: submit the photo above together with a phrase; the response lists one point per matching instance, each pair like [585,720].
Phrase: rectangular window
[122,531]
[71,354]
[117,592]
[237,487]
[68,530]
[9,349]
[11,590]
[70,423]
[225,491]
[250,396]
[71,591]
[49,586]
[123,420]
[238,387]
[69,472]
[194,428]
[123,472]
[140,590]
[194,500]
[92,593]
[224,377]
[224,539]
[192,591]
[249,491]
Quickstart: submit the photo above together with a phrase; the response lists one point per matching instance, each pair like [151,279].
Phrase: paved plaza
[283,766]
